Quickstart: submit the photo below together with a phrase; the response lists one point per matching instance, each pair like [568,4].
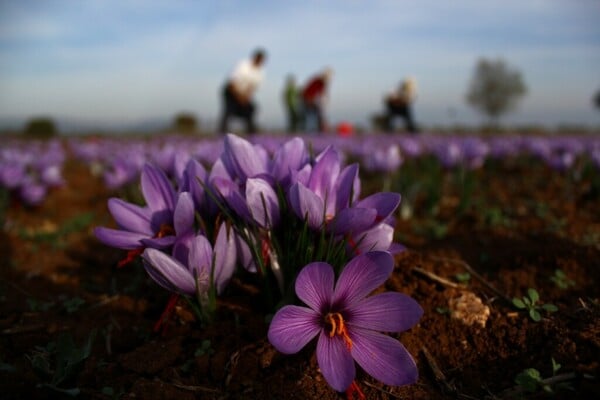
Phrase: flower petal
[389,312]
[263,203]
[292,328]
[307,205]
[156,188]
[324,174]
[383,357]
[362,275]
[347,185]
[377,238]
[291,156]
[335,361]
[242,159]
[118,238]
[351,220]
[183,217]
[314,285]
[130,217]
[225,257]
[170,271]
[384,202]
[159,243]
[201,255]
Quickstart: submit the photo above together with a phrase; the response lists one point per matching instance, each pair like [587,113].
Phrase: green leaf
[550,307]
[463,277]
[555,366]
[533,295]
[534,314]
[518,303]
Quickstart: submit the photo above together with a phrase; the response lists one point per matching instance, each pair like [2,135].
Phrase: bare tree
[495,88]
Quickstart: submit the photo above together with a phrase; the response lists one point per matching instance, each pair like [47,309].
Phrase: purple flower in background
[193,276]
[348,322]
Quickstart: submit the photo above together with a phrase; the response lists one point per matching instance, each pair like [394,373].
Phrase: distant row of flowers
[29,169]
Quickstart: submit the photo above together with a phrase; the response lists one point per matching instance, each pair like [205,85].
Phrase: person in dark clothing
[399,103]
[239,89]
[314,95]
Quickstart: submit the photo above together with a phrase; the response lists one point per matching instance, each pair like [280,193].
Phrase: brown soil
[56,281]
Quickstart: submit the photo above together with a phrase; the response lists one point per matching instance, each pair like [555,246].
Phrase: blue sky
[131,60]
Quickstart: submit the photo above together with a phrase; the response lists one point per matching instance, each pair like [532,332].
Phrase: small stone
[469,309]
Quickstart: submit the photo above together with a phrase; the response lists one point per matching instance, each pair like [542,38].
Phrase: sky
[127,61]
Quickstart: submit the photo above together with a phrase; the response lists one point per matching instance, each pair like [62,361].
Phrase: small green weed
[530,303]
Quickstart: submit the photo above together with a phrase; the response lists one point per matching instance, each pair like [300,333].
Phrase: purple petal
[383,357]
[350,220]
[225,257]
[130,217]
[292,328]
[118,238]
[362,275]
[170,271]
[384,202]
[232,196]
[291,156]
[183,217]
[307,205]
[377,238]
[157,189]
[201,255]
[263,203]
[159,243]
[324,174]
[388,312]
[335,361]
[346,186]
[241,158]
[314,285]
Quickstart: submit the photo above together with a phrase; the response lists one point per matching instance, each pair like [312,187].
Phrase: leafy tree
[495,88]
[185,123]
[40,127]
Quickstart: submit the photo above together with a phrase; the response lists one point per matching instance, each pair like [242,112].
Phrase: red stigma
[354,388]
[130,257]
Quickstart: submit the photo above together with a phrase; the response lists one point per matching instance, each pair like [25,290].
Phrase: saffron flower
[348,322]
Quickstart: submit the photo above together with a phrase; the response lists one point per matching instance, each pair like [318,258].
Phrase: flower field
[272,267]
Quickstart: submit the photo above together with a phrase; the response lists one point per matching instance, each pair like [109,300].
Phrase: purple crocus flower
[193,277]
[348,322]
[166,219]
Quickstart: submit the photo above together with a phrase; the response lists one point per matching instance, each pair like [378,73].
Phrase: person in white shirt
[239,89]
[399,103]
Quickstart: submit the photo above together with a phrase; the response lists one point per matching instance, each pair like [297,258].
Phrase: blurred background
[134,65]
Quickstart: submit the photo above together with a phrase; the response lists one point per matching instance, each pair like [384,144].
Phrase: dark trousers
[399,110]
[234,108]
[310,112]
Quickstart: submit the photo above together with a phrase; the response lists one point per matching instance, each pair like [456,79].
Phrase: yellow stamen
[338,327]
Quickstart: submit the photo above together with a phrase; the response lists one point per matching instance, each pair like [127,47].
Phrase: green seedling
[60,361]
[463,277]
[561,280]
[530,380]
[530,303]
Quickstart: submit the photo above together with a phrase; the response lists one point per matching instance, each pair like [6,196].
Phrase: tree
[40,127]
[495,88]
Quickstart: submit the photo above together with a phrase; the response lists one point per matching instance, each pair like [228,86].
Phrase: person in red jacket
[314,95]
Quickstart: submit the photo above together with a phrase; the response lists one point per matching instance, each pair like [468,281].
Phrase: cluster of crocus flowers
[29,172]
[296,220]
